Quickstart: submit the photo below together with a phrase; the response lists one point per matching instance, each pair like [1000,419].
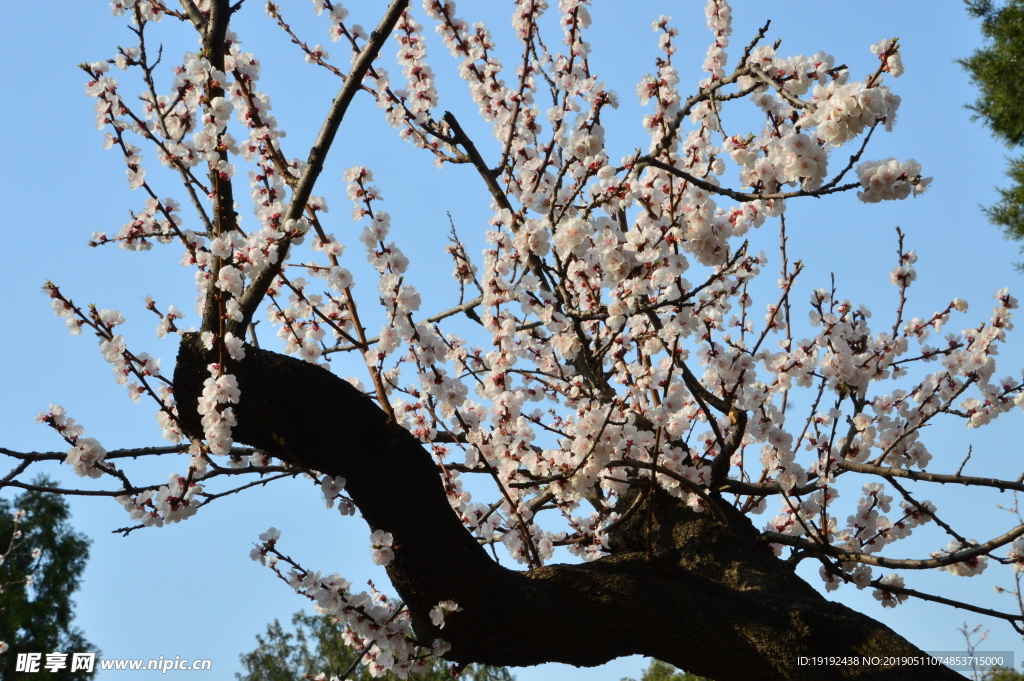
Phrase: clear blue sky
[190,589]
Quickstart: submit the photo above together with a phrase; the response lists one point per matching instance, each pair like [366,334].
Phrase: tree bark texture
[712,600]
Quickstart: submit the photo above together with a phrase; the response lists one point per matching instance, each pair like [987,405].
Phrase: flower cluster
[332,489]
[217,419]
[170,503]
[86,454]
[843,110]
[379,629]
[888,52]
[1016,554]
[382,547]
[968,568]
[890,179]
[887,597]
[421,95]
[440,613]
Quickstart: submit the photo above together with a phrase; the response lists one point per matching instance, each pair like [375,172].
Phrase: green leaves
[38,618]
[998,71]
[663,671]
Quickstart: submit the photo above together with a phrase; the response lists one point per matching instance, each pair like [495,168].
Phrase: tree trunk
[712,600]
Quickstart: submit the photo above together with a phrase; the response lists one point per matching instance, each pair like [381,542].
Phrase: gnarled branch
[708,582]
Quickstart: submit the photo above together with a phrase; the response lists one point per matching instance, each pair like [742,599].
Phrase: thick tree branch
[898,563]
[891,472]
[707,582]
[116,453]
[194,15]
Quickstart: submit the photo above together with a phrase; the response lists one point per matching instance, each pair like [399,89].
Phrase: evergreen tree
[663,671]
[998,71]
[317,646]
[41,570]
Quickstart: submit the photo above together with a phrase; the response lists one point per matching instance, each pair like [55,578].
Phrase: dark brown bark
[713,599]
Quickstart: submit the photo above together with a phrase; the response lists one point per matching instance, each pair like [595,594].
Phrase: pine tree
[997,71]
[1002,674]
[40,572]
[663,671]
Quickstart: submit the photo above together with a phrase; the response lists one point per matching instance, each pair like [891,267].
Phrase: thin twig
[254,293]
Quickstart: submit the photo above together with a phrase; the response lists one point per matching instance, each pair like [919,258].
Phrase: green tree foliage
[663,671]
[998,71]
[1002,674]
[317,646]
[37,617]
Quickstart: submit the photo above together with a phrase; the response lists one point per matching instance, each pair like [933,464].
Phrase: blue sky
[190,589]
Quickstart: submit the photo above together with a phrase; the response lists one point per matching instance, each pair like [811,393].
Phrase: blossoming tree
[616,385]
